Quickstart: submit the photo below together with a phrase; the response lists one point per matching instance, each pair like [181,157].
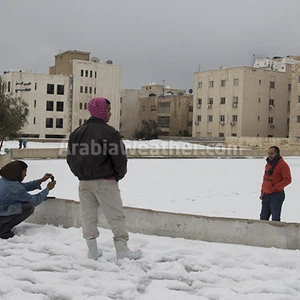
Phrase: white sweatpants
[106,195]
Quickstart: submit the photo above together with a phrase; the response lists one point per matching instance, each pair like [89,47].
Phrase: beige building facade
[173,113]
[58,101]
[130,105]
[242,101]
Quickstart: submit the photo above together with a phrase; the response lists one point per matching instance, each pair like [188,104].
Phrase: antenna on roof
[199,67]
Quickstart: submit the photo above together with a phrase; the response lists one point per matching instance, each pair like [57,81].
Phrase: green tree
[13,115]
[148,131]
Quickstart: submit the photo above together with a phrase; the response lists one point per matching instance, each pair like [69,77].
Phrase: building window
[91,74]
[298,99]
[259,81]
[153,107]
[49,105]
[233,134]
[223,100]
[298,79]
[59,106]
[258,118]
[120,112]
[34,103]
[221,134]
[271,120]
[234,118]
[211,84]
[59,123]
[80,105]
[222,118]
[199,101]
[298,119]
[190,108]
[163,122]
[289,87]
[164,107]
[81,89]
[210,118]
[35,86]
[81,73]
[34,120]
[271,102]
[200,85]
[85,106]
[86,89]
[235,99]
[86,73]
[94,90]
[120,99]
[50,89]
[190,123]
[8,87]
[90,89]
[210,100]
[95,75]
[80,122]
[143,108]
[49,122]
[60,89]
[223,82]
[258,100]
[272,85]
[199,118]
[235,81]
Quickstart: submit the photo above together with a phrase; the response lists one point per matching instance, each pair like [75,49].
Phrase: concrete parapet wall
[159,152]
[285,144]
[5,159]
[211,229]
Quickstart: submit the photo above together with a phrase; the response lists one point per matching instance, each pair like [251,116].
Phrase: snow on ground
[49,263]
[212,187]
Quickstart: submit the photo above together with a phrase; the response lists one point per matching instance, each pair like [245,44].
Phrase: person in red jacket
[276,177]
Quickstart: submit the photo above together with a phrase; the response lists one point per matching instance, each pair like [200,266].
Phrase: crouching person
[16,204]
[96,155]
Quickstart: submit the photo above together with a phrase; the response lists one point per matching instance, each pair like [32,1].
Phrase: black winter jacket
[96,151]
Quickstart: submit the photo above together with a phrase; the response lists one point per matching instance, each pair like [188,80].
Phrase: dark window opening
[49,106]
[60,89]
[49,122]
[59,123]
[59,106]
[50,89]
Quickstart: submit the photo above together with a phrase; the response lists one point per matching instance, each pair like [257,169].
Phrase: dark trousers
[271,205]
[7,223]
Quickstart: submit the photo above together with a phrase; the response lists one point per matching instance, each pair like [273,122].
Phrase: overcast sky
[153,40]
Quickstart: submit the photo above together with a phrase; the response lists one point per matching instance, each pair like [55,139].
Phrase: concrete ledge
[52,153]
[211,229]
[5,159]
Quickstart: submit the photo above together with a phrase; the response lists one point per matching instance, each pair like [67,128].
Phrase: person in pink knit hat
[97,156]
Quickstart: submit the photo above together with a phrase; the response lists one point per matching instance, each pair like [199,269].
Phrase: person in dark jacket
[16,204]
[97,156]
[277,176]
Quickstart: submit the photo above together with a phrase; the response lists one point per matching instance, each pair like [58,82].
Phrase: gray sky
[153,40]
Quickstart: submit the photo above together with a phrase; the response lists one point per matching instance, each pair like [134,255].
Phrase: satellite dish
[95,59]
[190,91]
[108,61]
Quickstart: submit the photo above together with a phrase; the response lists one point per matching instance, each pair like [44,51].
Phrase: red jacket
[280,178]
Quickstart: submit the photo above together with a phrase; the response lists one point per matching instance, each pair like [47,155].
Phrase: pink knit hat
[97,108]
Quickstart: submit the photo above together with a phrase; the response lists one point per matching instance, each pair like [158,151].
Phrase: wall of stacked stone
[5,159]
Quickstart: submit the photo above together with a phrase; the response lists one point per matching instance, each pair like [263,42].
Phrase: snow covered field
[46,262]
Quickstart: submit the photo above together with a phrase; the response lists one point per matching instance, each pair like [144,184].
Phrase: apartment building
[172,112]
[130,105]
[242,101]
[58,100]
[48,100]
[89,78]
